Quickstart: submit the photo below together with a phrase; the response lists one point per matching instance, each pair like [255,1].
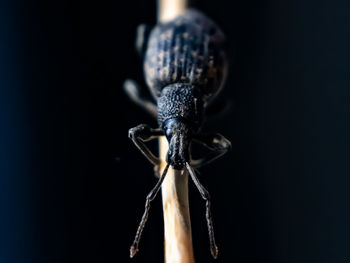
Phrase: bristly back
[188,49]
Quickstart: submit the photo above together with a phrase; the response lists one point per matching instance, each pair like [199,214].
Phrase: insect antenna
[149,198]
[206,196]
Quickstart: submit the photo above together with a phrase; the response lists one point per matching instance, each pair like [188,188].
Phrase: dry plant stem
[177,224]
[168,9]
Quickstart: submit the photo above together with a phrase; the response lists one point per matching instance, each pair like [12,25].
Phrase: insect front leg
[218,145]
[206,196]
[141,134]
[150,197]
[138,96]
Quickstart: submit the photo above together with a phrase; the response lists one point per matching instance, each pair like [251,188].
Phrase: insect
[185,68]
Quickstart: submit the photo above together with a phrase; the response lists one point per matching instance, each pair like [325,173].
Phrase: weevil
[185,66]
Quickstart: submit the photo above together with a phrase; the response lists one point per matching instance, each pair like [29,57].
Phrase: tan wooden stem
[177,224]
[168,9]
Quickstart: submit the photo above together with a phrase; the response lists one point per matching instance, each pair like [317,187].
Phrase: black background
[73,185]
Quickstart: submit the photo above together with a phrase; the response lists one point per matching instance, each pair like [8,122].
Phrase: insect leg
[149,198]
[206,196]
[136,94]
[218,145]
[143,133]
[142,33]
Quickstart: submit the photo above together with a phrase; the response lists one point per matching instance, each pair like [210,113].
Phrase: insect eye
[168,133]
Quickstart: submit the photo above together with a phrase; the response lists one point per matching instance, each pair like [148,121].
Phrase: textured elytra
[188,49]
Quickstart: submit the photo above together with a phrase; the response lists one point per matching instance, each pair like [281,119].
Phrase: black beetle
[185,68]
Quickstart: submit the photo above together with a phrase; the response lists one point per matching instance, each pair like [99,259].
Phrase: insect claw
[133,251]
[214,251]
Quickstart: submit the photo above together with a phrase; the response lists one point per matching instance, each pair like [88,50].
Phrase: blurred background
[72,185]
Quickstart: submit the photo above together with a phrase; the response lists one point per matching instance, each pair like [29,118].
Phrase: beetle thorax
[183,102]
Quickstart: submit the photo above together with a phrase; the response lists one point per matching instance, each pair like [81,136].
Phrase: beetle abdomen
[188,49]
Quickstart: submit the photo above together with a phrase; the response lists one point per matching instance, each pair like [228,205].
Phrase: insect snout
[178,153]
[178,136]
